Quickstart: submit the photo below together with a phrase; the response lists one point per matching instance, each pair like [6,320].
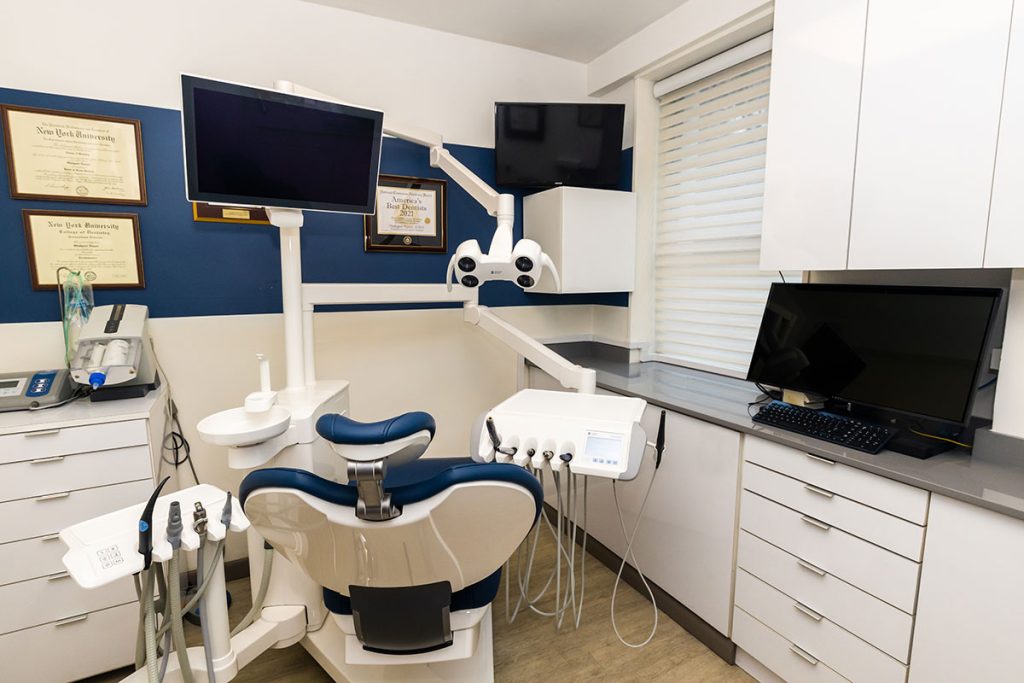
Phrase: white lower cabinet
[59,467]
[686,543]
[970,619]
[828,564]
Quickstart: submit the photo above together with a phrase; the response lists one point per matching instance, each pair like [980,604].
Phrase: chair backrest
[459,525]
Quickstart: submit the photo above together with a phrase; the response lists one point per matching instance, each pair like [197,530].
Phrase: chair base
[470,659]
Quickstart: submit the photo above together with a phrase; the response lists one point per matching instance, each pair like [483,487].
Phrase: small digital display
[604,445]
[8,383]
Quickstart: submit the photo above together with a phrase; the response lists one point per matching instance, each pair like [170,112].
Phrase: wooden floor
[530,649]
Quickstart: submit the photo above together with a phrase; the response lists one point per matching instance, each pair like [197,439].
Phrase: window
[709,290]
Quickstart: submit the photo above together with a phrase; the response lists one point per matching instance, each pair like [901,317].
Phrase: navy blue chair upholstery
[346,431]
[407,484]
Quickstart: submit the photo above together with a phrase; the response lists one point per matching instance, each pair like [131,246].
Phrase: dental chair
[408,553]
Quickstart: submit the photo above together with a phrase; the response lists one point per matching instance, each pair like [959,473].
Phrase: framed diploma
[209,213]
[105,247]
[412,215]
[63,156]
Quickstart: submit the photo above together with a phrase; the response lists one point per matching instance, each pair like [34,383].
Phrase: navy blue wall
[221,268]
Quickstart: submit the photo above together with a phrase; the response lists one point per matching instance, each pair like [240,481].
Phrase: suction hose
[177,629]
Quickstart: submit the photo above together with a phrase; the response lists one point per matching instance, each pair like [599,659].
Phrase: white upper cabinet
[817,51]
[929,119]
[1005,245]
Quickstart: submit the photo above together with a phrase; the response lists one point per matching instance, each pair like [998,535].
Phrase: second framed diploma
[411,215]
[64,156]
[104,247]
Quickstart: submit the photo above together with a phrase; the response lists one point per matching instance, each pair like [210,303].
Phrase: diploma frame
[30,245]
[12,157]
[375,240]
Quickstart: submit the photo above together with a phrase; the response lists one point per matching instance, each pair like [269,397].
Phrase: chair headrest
[343,430]
[409,484]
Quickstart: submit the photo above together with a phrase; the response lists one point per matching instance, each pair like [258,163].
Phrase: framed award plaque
[412,215]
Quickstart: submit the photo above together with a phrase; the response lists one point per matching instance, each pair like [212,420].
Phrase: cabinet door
[817,56]
[1005,245]
[687,535]
[969,620]
[933,82]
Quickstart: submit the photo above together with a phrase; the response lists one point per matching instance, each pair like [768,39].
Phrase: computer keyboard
[844,431]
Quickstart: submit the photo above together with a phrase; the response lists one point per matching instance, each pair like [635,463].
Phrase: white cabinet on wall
[817,51]
[1005,245]
[969,615]
[933,82]
[686,540]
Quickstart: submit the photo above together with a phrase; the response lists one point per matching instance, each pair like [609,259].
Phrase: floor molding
[677,611]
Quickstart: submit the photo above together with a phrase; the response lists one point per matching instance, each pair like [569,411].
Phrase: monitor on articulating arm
[254,147]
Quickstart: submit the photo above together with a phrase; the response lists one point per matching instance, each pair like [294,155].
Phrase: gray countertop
[996,485]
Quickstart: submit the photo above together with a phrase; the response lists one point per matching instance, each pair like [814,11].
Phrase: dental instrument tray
[34,389]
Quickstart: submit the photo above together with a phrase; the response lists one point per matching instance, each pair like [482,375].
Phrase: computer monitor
[548,145]
[909,351]
[254,147]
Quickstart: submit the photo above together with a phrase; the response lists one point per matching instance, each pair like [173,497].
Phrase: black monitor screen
[914,350]
[546,145]
[259,147]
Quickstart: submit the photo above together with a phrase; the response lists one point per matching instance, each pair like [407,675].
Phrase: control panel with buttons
[34,389]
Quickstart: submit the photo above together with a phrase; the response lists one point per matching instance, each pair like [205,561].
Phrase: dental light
[521,262]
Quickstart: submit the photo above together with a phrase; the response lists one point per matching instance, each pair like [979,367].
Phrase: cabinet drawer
[840,650]
[898,535]
[45,443]
[897,499]
[881,573]
[55,474]
[31,558]
[31,517]
[877,622]
[83,645]
[51,598]
[778,654]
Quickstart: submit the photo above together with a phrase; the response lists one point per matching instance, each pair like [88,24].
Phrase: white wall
[694,31]
[131,51]
[396,361]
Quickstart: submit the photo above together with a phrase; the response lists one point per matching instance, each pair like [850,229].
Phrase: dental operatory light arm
[522,262]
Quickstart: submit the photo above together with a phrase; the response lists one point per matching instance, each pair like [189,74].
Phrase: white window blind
[709,290]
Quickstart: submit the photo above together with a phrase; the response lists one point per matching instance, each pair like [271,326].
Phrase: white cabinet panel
[970,622]
[817,53]
[816,635]
[1005,245]
[784,658]
[686,539]
[933,81]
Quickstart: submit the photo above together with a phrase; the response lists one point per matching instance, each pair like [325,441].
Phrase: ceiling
[579,30]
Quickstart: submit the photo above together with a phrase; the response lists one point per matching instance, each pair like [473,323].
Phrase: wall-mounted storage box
[589,234]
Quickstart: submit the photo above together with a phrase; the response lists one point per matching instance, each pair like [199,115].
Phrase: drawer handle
[803,654]
[821,492]
[42,461]
[804,609]
[816,523]
[54,496]
[811,568]
[58,577]
[51,537]
[821,459]
[45,432]
[71,620]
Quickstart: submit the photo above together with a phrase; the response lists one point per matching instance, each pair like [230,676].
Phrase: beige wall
[396,361]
